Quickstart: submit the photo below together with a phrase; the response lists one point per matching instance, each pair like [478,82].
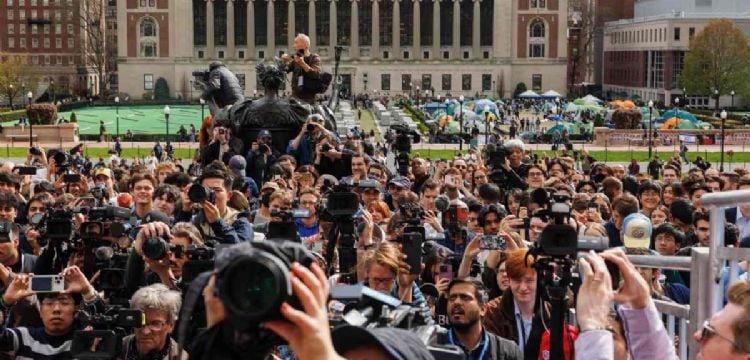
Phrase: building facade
[50,35]
[431,48]
[643,57]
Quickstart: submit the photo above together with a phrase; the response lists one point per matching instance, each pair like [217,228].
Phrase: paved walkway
[367,123]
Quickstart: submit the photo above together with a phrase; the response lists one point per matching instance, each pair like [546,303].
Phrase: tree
[719,59]
[520,88]
[90,15]
[15,77]
[73,117]
[161,89]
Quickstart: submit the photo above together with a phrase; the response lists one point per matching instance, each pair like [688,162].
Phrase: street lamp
[10,98]
[52,89]
[447,103]
[732,93]
[255,96]
[191,91]
[30,96]
[203,105]
[117,110]
[23,89]
[166,117]
[677,103]
[486,124]
[723,118]
[650,125]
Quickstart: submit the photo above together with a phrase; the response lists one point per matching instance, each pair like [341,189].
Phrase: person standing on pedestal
[305,67]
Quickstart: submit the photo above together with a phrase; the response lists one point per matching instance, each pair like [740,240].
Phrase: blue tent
[680,114]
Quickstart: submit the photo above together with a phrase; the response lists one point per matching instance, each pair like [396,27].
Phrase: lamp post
[23,89]
[732,93]
[255,96]
[677,103]
[191,91]
[203,105]
[461,123]
[650,124]
[723,118]
[486,124]
[447,103]
[10,98]
[52,89]
[166,117]
[30,96]
[411,93]
[117,111]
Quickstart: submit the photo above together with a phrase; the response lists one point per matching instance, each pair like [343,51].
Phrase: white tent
[552,94]
[591,99]
[529,94]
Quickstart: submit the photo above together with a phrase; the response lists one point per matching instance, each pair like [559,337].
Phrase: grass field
[186,152]
[138,119]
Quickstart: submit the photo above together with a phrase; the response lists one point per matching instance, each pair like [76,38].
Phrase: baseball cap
[401,182]
[264,133]
[237,162]
[636,229]
[398,343]
[103,171]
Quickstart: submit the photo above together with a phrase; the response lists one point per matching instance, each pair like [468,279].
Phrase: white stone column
[375,50]
[354,33]
[416,39]
[230,53]
[311,23]
[332,28]
[271,29]
[436,29]
[456,29]
[396,29]
[250,31]
[290,33]
[210,53]
[475,48]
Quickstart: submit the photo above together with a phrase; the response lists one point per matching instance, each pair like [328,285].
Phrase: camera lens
[197,193]
[155,248]
[255,286]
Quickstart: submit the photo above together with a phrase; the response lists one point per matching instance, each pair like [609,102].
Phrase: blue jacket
[613,234]
[304,153]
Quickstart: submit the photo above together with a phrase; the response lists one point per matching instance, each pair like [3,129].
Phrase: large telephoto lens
[255,285]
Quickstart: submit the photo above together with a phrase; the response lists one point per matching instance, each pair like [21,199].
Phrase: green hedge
[418,117]
[12,115]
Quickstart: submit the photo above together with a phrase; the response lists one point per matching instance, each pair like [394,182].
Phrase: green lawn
[127,152]
[610,156]
[142,119]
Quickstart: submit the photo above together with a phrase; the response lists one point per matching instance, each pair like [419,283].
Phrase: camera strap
[193,295]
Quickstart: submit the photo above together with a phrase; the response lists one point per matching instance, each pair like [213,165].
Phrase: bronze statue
[282,116]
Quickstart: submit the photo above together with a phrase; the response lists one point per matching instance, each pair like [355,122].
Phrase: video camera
[112,262]
[402,145]
[286,229]
[371,309]
[105,341]
[104,221]
[496,154]
[202,75]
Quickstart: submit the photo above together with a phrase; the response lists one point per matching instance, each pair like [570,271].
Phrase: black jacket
[211,151]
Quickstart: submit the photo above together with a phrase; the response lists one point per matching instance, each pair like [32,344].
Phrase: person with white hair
[513,169]
[161,308]
[305,67]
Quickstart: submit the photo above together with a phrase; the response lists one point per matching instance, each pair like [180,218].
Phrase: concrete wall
[19,135]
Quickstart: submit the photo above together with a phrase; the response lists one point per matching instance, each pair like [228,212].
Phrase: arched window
[148,27]
[148,39]
[537,38]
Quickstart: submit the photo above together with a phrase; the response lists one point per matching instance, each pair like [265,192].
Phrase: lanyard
[484,348]
[522,337]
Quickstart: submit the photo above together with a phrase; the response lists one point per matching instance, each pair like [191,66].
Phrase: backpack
[319,85]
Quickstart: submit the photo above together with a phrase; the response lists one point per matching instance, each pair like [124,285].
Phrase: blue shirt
[305,231]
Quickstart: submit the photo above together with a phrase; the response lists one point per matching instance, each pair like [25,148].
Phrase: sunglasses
[708,331]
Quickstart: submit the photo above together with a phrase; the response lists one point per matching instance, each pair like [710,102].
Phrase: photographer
[58,313]
[29,239]
[221,86]
[216,220]
[161,308]
[309,228]
[168,269]
[261,156]
[223,146]
[386,271]
[466,300]
[304,66]
[103,179]
[302,147]
[490,219]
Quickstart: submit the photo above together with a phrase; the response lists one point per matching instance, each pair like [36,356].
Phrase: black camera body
[105,221]
[411,213]
[402,145]
[5,228]
[202,75]
[105,341]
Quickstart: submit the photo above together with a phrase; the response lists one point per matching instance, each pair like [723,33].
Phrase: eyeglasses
[708,331]
[382,281]
[460,167]
[53,301]
[536,173]
[154,325]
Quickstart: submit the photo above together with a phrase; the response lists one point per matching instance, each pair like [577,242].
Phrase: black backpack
[318,85]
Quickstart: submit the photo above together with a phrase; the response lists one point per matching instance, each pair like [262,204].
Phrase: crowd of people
[491,299]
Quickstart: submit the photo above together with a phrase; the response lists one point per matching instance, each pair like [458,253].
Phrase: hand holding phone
[46,284]
[493,242]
